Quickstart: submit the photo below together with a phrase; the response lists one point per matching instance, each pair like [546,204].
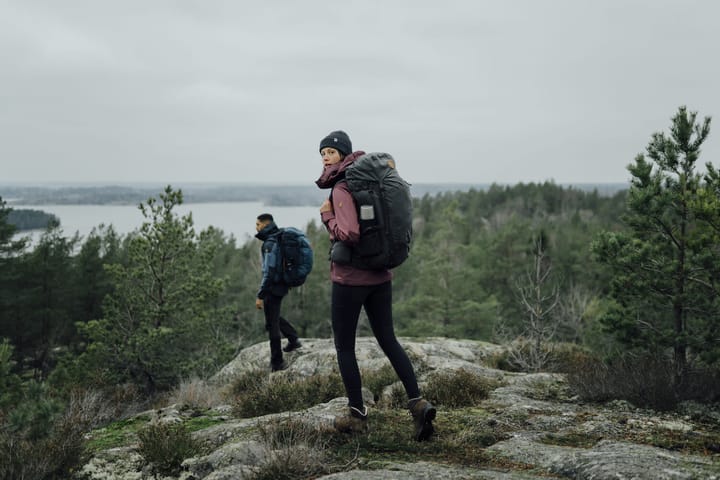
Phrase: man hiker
[271,293]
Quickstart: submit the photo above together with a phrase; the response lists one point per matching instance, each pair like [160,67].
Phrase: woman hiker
[354,288]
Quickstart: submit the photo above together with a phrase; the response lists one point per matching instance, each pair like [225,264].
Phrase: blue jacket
[270,250]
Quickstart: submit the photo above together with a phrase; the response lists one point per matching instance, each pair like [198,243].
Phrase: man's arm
[268,262]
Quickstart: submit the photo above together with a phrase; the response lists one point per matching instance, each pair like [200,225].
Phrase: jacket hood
[334,173]
[269,230]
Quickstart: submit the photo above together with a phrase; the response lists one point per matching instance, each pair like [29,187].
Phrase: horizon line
[93,183]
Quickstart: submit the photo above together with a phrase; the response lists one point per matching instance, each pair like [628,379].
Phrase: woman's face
[330,156]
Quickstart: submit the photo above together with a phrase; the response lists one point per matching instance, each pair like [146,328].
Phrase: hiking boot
[292,345]
[278,367]
[354,421]
[423,413]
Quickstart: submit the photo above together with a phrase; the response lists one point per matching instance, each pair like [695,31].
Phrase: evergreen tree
[708,208]
[163,321]
[9,252]
[91,281]
[9,381]
[45,299]
[8,246]
[442,293]
[661,276]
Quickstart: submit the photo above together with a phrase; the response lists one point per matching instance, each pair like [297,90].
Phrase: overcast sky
[242,91]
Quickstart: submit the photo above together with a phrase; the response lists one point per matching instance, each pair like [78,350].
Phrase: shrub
[257,395]
[89,409]
[479,431]
[566,356]
[459,388]
[34,416]
[247,382]
[395,396]
[54,447]
[295,449]
[645,381]
[702,384]
[377,380]
[127,399]
[319,389]
[164,446]
[195,393]
[501,361]
[560,357]
[266,397]
[9,381]
[548,390]
[18,458]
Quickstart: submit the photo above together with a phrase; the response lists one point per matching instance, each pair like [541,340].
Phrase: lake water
[236,218]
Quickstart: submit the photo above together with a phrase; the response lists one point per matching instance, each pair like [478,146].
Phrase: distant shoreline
[236,218]
[270,195]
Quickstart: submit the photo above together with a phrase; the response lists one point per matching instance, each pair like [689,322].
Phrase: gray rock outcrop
[535,428]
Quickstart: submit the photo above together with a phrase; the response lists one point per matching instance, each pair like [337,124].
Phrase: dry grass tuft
[459,388]
[257,393]
[164,446]
[295,450]
[196,394]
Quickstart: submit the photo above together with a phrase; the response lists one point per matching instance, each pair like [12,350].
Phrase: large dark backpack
[384,207]
[295,261]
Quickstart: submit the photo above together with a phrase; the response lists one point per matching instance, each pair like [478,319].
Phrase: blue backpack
[296,257]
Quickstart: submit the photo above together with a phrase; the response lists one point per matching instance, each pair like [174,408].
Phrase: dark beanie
[338,140]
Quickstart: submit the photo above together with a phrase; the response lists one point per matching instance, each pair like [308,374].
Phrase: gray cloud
[173,91]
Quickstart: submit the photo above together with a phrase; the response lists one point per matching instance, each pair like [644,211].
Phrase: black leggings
[377,300]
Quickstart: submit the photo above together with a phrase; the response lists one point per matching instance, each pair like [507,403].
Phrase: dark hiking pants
[276,326]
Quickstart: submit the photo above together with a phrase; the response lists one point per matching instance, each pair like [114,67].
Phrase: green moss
[124,432]
[116,434]
[549,391]
[200,423]
[702,443]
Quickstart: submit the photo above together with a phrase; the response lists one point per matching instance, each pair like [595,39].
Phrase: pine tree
[660,283]
[9,250]
[162,321]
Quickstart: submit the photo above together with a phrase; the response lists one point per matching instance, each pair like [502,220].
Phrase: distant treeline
[270,195]
[26,219]
[470,252]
